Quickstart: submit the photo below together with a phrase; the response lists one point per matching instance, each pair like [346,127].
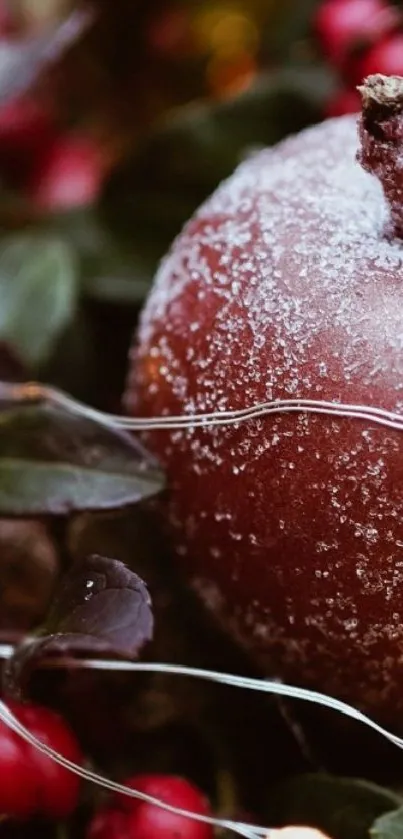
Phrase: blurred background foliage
[113,144]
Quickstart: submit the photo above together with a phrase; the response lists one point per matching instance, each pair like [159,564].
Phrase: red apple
[289,527]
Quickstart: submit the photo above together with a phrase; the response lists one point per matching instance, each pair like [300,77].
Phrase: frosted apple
[288,283]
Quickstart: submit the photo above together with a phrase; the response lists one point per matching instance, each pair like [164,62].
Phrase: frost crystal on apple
[283,285]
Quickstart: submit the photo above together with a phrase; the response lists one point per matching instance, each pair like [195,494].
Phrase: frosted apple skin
[289,527]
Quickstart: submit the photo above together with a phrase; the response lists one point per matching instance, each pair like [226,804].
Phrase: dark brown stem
[381,134]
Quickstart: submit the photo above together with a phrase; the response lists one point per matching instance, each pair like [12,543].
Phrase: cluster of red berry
[128,817]
[359,38]
[55,170]
[33,784]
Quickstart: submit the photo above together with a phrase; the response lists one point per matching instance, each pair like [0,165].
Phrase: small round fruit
[385,57]
[342,25]
[7,23]
[57,789]
[18,791]
[26,129]
[288,284]
[68,175]
[148,821]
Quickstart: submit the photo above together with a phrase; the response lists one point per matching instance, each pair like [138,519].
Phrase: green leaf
[109,270]
[343,808]
[100,606]
[290,27]
[388,826]
[151,195]
[38,293]
[53,462]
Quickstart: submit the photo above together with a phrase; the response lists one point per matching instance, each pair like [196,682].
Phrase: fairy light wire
[265,686]
[34,392]
[275,688]
[86,774]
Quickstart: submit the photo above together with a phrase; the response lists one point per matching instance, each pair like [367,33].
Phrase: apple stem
[381,134]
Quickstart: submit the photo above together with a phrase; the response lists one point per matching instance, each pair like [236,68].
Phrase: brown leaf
[101,606]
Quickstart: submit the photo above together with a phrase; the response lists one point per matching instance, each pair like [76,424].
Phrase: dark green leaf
[291,27]
[101,607]
[151,195]
[53,462]
[21,62]
[388,826]
[38,291]
[11,367]
[109,270]
[344,808]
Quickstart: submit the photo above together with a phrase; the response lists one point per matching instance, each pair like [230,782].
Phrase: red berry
[109,824]
[56,788]
[7,23]
[148,821]
[25,129]
[344,102]
[342,25]
[69,175]
[21,120]
[18,792]
[386,57]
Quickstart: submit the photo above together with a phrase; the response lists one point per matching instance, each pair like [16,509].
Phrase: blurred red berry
[54,789]
[345,101]
[18,793]
[384,57]
[21,120]
[7,23]
[148,821]
[25,129]
[69,175]
[109,824]
[343,25]
[170,33]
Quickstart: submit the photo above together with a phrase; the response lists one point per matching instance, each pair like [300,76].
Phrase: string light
[32,392]
[262,685]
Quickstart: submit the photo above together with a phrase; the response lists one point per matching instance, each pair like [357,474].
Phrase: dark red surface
[289,527]
[26,132]
[146,821]
[381,138]
[345,101]
[17,792]
[109,823]
[53,790]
